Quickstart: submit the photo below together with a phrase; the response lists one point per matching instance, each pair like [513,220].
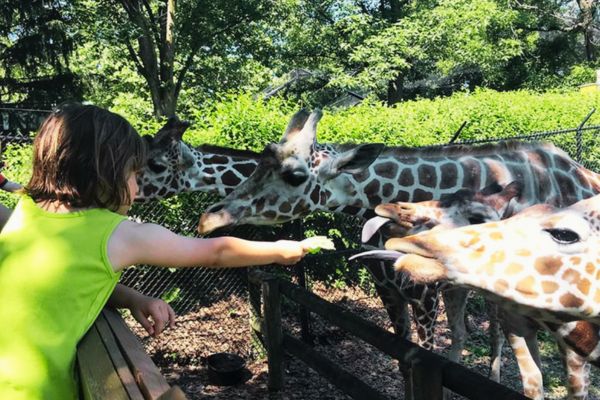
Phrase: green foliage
[18,169]
[36,38]
[241,119]
[243,122]
[171,295]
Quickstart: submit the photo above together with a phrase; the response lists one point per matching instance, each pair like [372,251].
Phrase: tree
[35,46]
[170,42]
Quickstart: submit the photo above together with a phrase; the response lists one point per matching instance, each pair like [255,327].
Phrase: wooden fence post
[273,332]
[303,312]
[426,381]
[254,298]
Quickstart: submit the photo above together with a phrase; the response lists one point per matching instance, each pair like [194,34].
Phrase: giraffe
[298,176]
[541,263]
[174,167]
[465,208]
[544,262]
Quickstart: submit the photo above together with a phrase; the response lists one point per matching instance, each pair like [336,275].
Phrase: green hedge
[242,121]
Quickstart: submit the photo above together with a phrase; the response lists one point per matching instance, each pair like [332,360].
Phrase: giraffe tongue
[378,254]
[371,227]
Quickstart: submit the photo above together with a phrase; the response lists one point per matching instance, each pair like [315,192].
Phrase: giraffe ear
[352,161]
[511,191]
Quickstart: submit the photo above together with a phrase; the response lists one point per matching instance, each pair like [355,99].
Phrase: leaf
[316,243]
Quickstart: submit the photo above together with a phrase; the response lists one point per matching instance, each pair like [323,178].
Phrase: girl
[64,247]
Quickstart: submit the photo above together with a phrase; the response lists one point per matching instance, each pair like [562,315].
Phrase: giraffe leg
[578,373]
[496,341]
[397,309]
[455,301]
[424,303]
[394,303]
[522,337]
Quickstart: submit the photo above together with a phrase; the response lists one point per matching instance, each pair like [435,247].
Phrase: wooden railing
[113,364]
[429,373]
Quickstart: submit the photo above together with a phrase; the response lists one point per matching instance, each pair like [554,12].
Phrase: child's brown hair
[82,157]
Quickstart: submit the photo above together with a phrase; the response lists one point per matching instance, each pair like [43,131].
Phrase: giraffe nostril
[215,208]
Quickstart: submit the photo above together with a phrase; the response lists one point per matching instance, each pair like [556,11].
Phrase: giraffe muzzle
[215,220]
[419,262]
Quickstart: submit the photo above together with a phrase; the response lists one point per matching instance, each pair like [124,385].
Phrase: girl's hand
[152,313]
[290,251]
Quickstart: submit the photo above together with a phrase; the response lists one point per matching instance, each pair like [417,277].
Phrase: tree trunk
[168,95]
[394,92]
[588,9]
[155,55]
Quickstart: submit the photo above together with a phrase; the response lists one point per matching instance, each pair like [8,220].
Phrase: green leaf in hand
[316,243]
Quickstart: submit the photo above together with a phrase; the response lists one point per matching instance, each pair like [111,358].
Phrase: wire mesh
[190,288]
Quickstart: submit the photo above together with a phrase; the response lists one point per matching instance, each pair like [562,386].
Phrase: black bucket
[225,369]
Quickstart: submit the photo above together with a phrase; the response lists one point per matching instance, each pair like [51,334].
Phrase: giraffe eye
[156,167]
[476,219]
[563,236]
[295,177]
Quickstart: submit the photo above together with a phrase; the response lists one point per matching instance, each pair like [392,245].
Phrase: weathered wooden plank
[117,358]
[175,393]
[345,381]
[97,375]
[149,379]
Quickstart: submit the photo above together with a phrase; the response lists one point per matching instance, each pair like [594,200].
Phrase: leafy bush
[241,121]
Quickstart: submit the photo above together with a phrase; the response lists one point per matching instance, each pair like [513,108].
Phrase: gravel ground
[223,327]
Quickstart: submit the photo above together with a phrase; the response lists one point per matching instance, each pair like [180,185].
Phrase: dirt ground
[223,327]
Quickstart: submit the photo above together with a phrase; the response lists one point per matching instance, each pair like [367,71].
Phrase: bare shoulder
[127,243]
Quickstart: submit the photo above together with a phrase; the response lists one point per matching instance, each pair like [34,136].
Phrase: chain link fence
[190,288]
[200,286]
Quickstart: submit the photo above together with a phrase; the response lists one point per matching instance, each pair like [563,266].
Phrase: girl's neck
[58,207]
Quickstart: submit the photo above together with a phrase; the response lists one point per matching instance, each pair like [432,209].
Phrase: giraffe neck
[208,169]
[400,174]
[222,169]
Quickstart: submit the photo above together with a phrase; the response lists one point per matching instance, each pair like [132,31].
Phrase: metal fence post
[578,137]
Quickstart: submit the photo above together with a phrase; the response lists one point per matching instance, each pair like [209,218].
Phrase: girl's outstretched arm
[134,243]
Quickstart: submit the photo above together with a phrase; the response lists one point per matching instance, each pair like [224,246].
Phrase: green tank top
[55,277]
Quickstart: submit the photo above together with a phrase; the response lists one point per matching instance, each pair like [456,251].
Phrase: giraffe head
[542,258]
[167,153]
[289,181]
[464,207]
[174,167]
